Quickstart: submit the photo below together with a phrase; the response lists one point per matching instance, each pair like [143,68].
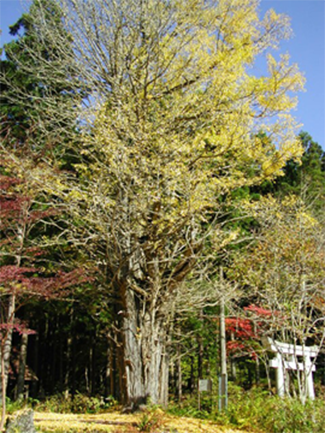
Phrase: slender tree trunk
[87,378]
[108,370]
[111,371]
[69,355]
[114,377]
[173,377]
[10,320]
[61,360]
[233,367]
[192,381]
[54,357]
[50,381]
[36,354]
[73,360]
[90,369]
[6,351]
[67,368]
[35,361]
[200,351]
[3,391]
[5,355]
[257,371]
[179,375]
[163,391]
[93,365]
[22,367]
[200,359]
[44,357]
[267,370]
[257,362]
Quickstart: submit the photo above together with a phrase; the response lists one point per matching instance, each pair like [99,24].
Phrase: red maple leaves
[21,273]
[247,331]
[29,281]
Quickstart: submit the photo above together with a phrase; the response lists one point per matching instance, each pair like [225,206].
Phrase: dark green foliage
[305,178]
[309,177]
[27,82]
[81,403]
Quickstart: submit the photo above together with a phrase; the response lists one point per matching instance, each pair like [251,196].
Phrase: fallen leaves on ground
[116,422]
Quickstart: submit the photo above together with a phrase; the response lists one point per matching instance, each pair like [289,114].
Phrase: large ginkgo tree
[172,122]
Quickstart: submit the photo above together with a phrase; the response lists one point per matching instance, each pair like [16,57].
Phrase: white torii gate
[282,364]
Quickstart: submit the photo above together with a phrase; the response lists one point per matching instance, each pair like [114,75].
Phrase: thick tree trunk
[143,350]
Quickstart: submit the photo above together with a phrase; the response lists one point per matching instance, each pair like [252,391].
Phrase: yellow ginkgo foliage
[283,269]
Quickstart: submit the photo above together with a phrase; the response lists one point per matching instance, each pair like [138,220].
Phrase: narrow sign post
[204,385]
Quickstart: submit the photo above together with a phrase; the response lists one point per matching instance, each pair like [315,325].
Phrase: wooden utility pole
[223,380]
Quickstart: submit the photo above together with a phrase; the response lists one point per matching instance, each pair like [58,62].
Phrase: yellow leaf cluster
[183,127]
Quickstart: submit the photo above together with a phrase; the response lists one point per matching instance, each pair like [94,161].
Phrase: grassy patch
[258,411]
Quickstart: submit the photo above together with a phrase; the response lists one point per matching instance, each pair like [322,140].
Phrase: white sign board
[205,385]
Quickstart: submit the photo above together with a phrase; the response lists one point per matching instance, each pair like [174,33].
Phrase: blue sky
[307,48]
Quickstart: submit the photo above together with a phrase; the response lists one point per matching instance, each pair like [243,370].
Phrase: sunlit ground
[116,422]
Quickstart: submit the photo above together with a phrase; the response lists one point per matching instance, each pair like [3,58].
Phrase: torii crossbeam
[281,364]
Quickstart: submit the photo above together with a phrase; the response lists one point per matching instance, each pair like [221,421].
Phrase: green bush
[13,406]
[258,410]
[151,420]
[290,416]
[80,403]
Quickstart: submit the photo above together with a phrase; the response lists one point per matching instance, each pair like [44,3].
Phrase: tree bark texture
[143,351]
[6,348]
